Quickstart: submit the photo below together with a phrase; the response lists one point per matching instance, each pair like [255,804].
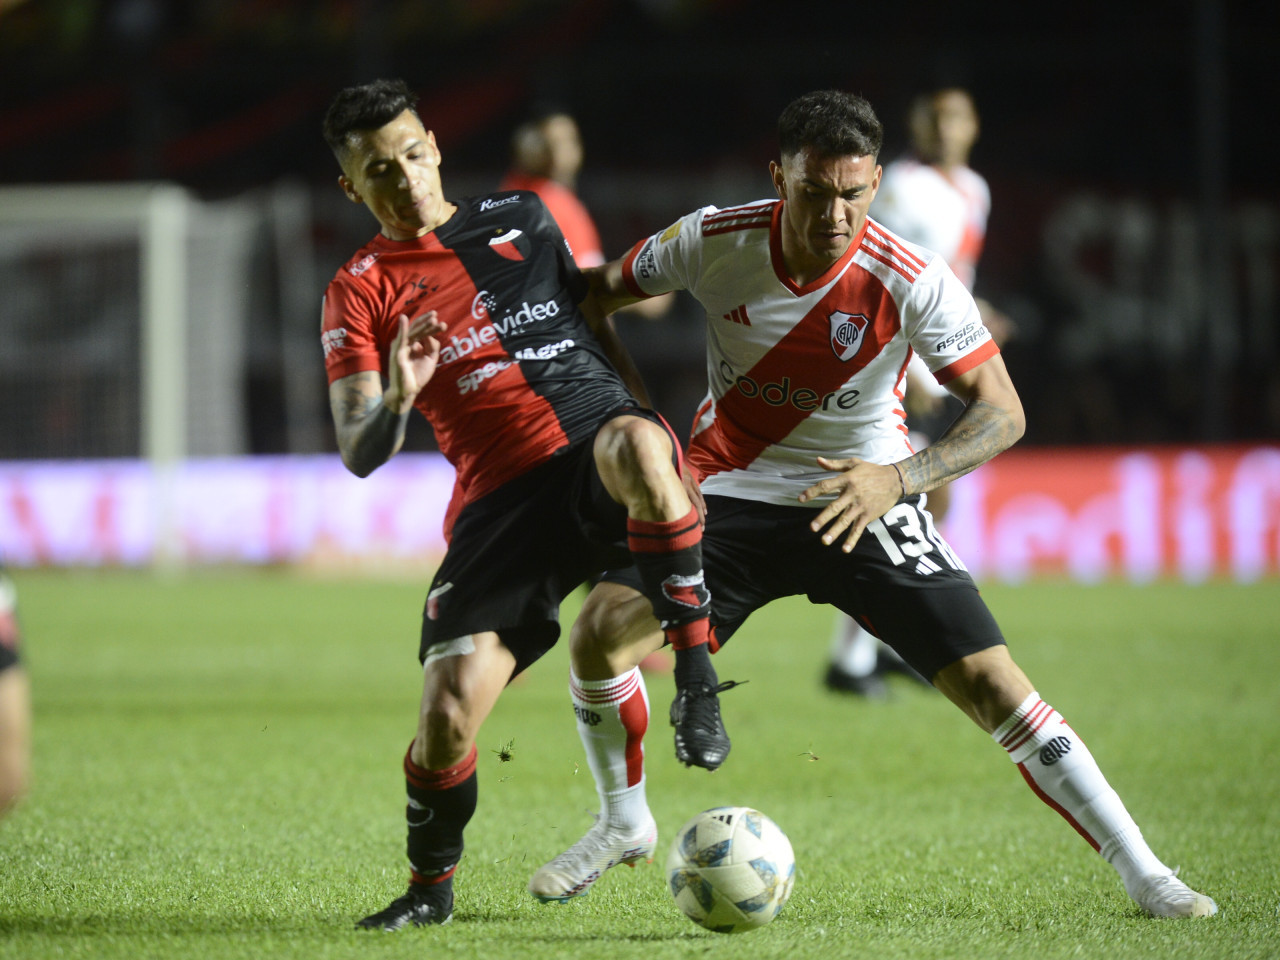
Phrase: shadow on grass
[569,929]
[173,926]
[176,925]
[595,936]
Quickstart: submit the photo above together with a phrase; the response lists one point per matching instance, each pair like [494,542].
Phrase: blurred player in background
[934,198]
[470,310]
[546,156]
[810,485]
[15,703]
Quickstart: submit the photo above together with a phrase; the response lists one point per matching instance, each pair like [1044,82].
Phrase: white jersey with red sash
[798,372]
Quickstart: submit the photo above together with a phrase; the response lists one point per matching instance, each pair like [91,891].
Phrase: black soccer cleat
[701,740]
[421,907]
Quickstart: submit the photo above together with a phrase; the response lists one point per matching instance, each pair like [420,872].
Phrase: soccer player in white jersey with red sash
[810,485]
[930,196]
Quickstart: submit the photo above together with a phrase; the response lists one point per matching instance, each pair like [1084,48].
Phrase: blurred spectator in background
[15,703]
[930,196]
[546,156]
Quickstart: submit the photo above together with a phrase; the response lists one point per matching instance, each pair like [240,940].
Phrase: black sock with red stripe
[668,556]
[441,803]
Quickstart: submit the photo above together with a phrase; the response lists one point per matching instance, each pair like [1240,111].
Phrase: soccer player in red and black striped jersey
[471,309]
[811,487]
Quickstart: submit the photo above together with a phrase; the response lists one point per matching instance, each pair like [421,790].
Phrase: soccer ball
[730,869]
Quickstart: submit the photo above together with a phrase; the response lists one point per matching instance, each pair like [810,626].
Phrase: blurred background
[1134,237]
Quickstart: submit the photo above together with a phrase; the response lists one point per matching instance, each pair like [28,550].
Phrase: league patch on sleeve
[646,264]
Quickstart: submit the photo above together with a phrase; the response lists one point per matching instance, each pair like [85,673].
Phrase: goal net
[122,322]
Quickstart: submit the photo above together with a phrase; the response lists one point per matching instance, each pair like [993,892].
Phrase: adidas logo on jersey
[739,315]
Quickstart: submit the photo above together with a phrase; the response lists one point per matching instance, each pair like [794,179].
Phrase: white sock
[613,716]
[853,650]
[1060,769]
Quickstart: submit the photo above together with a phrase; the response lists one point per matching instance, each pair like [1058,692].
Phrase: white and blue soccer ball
[730,869]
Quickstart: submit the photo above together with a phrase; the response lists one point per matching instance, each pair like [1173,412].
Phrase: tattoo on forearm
[369,432]
[978,434]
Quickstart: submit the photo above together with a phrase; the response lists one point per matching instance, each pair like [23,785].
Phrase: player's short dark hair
[835,123]
[366,106]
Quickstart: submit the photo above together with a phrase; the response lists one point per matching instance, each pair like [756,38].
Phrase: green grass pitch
[217,774]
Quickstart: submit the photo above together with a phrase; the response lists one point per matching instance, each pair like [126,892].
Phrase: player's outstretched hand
[863,492]
[415,353]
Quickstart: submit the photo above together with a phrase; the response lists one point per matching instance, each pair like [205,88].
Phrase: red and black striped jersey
[520,375]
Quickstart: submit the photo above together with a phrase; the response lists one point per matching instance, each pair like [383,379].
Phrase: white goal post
[157,214]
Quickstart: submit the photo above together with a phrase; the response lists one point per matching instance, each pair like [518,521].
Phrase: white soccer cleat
[1167,896]
[573,872]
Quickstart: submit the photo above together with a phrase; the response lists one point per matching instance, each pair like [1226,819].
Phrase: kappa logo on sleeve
[361,265]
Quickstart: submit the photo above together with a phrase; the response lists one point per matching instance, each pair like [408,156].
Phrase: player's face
[395,172]
[826,204]
[564,146]
[944,127]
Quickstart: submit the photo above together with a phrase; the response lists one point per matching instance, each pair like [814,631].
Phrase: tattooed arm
[992,421]
[369,432]
[369,422]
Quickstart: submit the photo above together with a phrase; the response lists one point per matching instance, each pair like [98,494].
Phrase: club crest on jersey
[504,245]
[846,333]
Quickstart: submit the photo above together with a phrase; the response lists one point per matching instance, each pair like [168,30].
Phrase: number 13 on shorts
[907,535]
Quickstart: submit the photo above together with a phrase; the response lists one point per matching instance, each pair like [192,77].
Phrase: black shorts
[8,656]
[902,582]
[518,551]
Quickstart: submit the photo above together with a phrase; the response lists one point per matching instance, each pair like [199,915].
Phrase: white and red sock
[1060,769]
[613,716]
